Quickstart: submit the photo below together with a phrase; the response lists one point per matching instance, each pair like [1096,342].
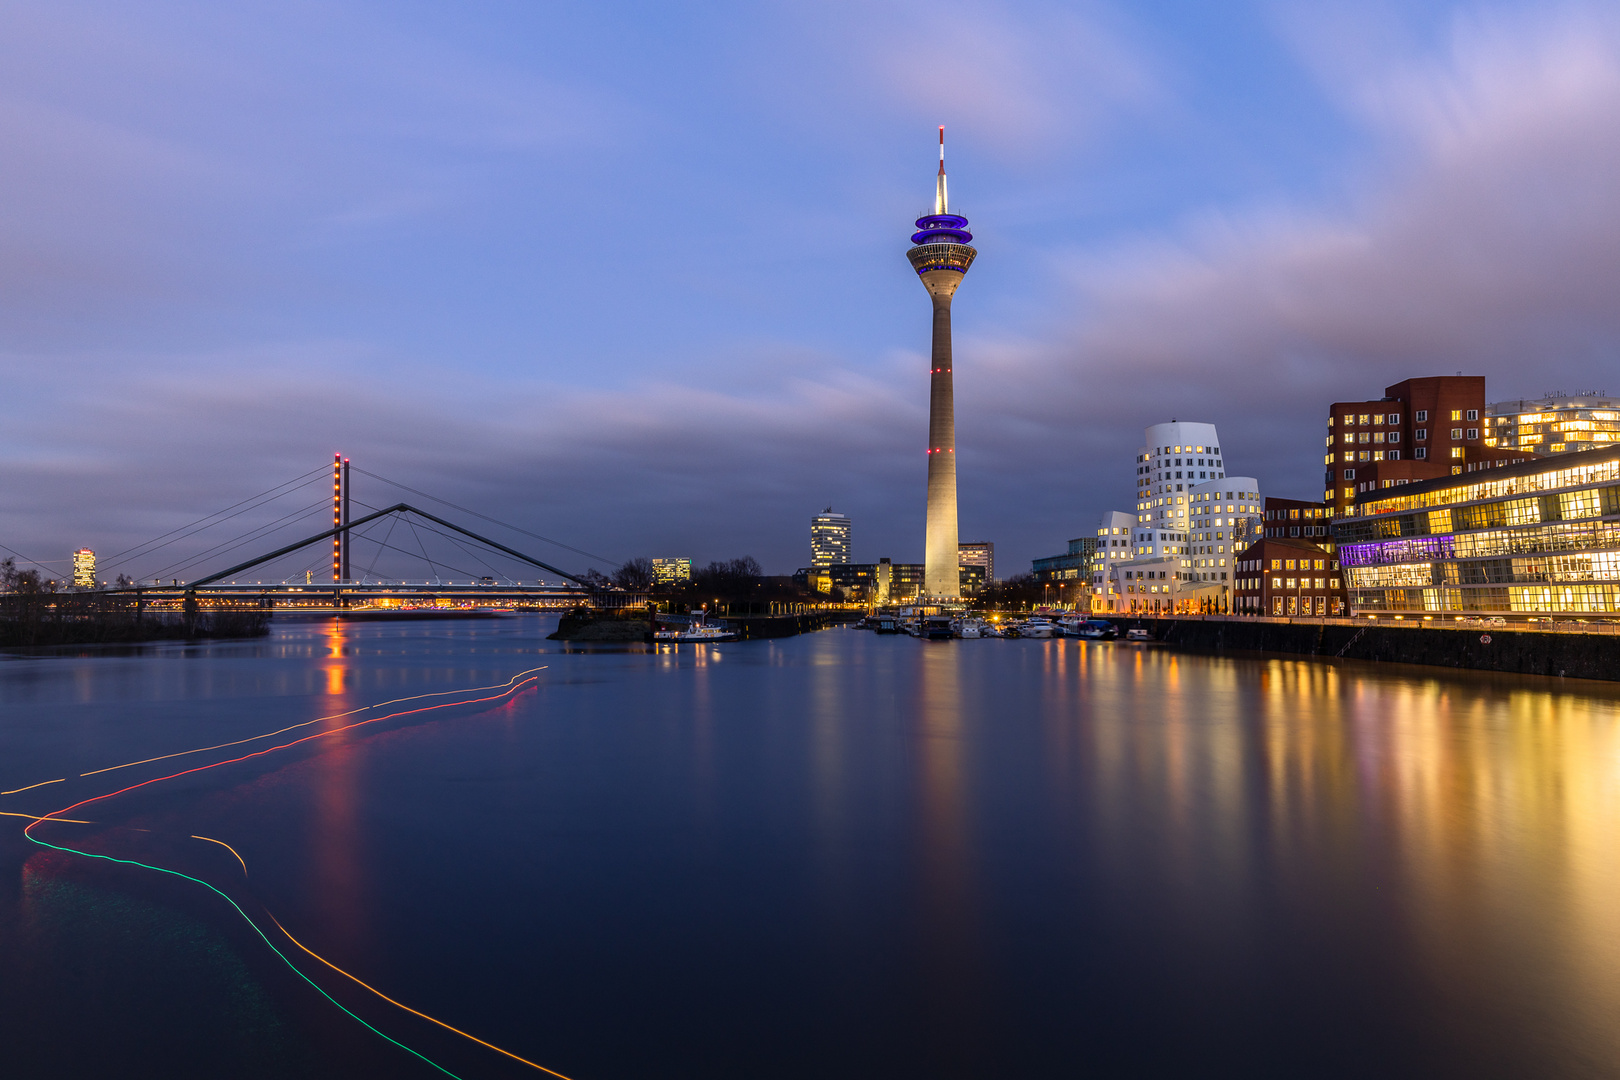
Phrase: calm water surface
[834,855]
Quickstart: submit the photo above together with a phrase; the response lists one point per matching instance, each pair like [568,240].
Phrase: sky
[633,277]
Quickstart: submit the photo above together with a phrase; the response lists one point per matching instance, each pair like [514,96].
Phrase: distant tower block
[829,539]
[84,569]
[941,256]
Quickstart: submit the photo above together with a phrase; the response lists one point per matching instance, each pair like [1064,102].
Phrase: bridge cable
[235,542]
[460,544]
[372,569]
[558,543]
[113,559]
[36,562]
[412,526]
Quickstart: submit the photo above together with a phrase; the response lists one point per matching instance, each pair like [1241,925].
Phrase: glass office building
[1541,537]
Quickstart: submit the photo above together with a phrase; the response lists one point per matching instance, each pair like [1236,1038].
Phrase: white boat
[699,630]
[969,628]
[1038,628]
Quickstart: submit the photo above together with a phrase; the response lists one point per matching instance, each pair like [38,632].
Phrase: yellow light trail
[407,1008]
[306,723]
[31,787]
[45,817]
[507,688]
[230,849]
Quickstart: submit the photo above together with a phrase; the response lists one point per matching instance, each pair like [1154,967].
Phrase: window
[1421,415]
[1365,418]
[1289,565]
[1366,436]
[1366,456]
[1349,474]
[1394,436]
[1394,455]
[1276,564]
[1378,436]
[1456,451]
[1349,493]
[1291,583]
[1317,565]
[1276,582]
[1473,433]
[1456,433]
[1349,418]
[1421,452]
[1420,434]
[1394,418]
[1473,414]
[1456,414]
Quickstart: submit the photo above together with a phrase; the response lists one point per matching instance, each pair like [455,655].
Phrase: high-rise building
[980,553]
[671,571]
[941,256]
[829,539]
[1555,424]
[84,569]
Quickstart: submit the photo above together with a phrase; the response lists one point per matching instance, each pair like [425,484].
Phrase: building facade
[829,538]
[1555,424]
[84,569]
[1541,537]
[671,571]
[1074,566]
[1289,577]
[980,553]
[1114,539]
[882,582]
[1429,424]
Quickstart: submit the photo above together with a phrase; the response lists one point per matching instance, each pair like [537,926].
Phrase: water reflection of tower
[940,254]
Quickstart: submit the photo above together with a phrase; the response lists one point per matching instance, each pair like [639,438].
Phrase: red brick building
[1427,425]
[1285,576]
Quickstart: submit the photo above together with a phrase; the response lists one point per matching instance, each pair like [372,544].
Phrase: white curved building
[1187,512]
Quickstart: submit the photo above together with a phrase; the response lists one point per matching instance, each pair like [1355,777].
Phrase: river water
[831,855]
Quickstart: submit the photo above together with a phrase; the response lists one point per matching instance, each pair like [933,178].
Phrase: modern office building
[1538,537]
[940,254]
[671,571]
[1287,576]
[84,569]
[1073,565]
[882,582]
[829,538]
[1555,424]
[980,553]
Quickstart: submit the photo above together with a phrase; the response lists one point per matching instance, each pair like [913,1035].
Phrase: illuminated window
[1456,451]
[1365,418]
[1456,414]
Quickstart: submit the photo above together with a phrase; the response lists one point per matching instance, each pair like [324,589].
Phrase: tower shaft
[941,256]
[941,575]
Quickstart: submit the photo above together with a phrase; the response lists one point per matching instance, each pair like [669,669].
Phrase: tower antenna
[942,203]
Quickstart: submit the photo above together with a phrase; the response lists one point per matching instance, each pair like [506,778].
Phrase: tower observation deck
[941,254]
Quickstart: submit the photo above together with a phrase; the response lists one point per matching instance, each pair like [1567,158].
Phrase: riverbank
[122,627]
[1527,652]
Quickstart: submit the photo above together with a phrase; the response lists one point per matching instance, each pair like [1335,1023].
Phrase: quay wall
[1528,652]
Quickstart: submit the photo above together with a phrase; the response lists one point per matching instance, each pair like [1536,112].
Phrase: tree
[635,575]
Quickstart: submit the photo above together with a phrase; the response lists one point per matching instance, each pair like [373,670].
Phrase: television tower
[940,254]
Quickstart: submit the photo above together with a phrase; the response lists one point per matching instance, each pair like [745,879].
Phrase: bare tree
[635,575]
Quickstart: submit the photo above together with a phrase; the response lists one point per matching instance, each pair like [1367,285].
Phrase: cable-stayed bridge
[362,556]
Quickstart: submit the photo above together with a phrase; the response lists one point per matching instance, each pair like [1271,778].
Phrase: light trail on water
[505,692]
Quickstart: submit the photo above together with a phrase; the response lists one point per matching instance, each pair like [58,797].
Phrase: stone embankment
[1592,655]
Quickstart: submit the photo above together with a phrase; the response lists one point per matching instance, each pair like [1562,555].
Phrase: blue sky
[633,275]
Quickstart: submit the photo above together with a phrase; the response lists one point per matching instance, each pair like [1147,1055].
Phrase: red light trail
[505,691]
